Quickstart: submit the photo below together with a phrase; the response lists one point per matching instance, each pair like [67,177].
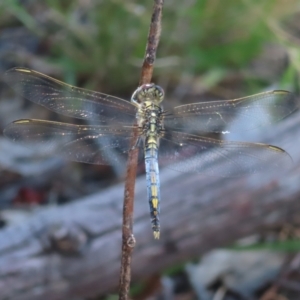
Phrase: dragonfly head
[148,92]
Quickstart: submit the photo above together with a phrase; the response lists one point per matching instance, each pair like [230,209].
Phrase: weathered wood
[73,251]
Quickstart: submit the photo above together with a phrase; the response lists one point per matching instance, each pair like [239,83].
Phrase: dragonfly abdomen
[153,185]
[150,120]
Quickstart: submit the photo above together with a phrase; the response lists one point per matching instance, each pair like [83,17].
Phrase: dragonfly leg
[137,143]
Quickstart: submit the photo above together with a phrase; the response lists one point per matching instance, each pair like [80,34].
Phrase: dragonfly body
[166,137]
[150,121]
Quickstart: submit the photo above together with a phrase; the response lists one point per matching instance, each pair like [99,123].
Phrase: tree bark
[73,251]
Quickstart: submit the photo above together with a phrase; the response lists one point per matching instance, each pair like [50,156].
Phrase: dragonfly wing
[215,116]
[191,153]
[69,100]
[88,144]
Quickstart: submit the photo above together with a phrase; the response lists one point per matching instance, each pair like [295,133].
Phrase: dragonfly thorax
[147,98]
[150,119]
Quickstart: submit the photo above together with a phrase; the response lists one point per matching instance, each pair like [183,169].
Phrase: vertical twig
[128,240]
[152,42]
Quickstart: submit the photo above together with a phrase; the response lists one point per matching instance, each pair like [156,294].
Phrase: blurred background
[209,50]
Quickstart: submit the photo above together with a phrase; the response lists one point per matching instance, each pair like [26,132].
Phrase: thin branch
[128,240]
[152,44]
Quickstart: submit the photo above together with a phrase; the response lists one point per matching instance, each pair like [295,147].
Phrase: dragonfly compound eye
[159,92]
[148,92]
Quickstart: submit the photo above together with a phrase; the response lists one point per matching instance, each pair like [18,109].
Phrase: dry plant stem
[152,44]
[128,240]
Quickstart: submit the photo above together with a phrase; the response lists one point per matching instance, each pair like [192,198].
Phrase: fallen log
[73,251]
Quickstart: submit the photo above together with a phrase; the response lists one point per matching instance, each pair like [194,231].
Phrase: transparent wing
[69,100]
[191,153]
[74,142]
[254,111]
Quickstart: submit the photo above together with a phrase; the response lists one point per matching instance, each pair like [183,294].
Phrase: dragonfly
[177,136]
